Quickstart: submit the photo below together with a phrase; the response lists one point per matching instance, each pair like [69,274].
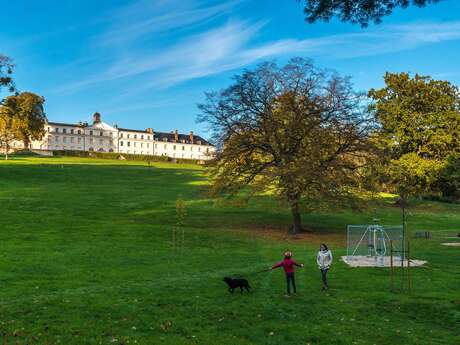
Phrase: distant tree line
[419,130]
[22,115]
[304,135]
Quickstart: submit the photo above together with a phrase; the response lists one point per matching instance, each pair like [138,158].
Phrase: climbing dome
[370,244]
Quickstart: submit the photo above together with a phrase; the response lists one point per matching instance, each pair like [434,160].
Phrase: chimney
[191,137]
[96,118]
[149,130]
[176,135]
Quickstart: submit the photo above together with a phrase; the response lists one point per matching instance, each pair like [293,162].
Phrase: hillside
[87,258]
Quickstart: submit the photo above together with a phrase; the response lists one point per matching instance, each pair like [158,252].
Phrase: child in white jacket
[324,261]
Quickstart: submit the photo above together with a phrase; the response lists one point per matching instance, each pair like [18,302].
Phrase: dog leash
[266,270]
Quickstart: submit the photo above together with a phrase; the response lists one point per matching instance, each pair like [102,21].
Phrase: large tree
[449,180]
[6,71]
[297,132]
[27,114]
[7,134]
[420,129]
[356,11]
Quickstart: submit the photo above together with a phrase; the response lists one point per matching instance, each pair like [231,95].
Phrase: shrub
[126,156]
[449,181]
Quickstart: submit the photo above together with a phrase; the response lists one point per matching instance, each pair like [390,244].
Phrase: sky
[144,63]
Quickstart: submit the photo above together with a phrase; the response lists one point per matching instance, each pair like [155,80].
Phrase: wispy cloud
[143,19]
[195,56]
[227,46]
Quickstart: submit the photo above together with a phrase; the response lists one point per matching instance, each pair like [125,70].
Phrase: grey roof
[63,124]
[159,136]
[133,130]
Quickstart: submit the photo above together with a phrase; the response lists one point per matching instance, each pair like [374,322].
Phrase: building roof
[103,126]
[63,124]
[159,136]
[133,130]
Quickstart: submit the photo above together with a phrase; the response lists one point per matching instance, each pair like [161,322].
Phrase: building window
[142,137]
[174,147]
[183,148]
[71,131]
[64,139]
[79,132]
[90,132]
[121,135]
[71,140]
[56,139]
[110,150]
[148,137]
[121,143]
[128,143]
[207,150]
[100,133]
[101,141]
[90,149]
[199,149]
[91,140]
[79,140]
[135,144]
[148,145]
[128,135]
[165,146]
[135,136]
[56,130]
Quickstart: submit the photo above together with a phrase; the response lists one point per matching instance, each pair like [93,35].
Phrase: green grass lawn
[86,258]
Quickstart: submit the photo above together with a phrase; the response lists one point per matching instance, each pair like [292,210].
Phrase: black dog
[237,283]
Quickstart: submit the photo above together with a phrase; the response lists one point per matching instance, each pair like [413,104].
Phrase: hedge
[126,156]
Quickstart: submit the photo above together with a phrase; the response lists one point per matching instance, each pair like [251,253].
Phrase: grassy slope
[86,258]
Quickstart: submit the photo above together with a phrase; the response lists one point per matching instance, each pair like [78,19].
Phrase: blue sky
[148,63]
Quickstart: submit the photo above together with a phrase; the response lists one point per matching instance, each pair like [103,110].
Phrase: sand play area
[452,244]
[366,261]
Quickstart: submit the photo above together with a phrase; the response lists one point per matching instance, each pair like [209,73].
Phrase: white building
[102,137]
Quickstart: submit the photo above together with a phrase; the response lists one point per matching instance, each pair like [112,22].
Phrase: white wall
[140,143]
[66,137]
[181,150]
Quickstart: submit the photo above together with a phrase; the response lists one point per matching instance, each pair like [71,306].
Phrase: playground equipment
[371,244]
[406,281]
[377,245]
[381,246]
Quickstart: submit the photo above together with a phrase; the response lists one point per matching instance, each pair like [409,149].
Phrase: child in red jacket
[288,265]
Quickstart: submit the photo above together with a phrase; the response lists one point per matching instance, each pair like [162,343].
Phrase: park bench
[422,234]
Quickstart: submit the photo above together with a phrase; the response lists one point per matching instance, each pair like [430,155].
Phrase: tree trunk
[296,226]
[7,148]
[26,144]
